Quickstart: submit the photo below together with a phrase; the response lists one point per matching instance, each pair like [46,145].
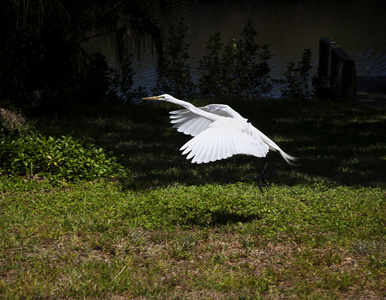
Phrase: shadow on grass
[231,218]
[340,143]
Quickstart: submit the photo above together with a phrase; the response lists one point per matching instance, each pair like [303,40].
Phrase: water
[288,27]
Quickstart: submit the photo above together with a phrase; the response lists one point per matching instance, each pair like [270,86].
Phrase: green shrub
[121,90]
[297,78]
[210,82]
[58,159]
[174,75]
[240,69]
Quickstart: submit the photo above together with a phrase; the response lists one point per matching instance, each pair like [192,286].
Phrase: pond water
[288,27]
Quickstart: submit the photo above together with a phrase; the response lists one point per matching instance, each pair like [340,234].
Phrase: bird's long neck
[196,110]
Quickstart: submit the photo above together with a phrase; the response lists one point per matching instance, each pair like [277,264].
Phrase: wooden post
[344,84]
[349,81]
[337,71]
[334,73]
[324,57]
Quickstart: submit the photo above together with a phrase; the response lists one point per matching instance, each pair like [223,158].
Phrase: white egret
[219,132]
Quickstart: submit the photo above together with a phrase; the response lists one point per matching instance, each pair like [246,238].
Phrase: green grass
[173,230]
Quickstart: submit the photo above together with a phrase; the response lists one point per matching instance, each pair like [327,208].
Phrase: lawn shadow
[340,142]
[227,218]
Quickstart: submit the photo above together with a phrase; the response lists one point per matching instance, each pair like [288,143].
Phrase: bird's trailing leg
[261,180]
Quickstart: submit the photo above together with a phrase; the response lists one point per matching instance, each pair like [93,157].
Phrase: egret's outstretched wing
[223,139]
[192,123]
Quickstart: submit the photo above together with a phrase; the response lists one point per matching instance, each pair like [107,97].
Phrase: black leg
[261,180]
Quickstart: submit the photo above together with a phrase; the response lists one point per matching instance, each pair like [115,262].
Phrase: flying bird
[219,132]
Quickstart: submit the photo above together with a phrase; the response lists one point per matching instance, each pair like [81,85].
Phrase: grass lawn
[170,229]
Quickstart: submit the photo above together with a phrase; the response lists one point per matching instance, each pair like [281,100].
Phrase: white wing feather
[222,140]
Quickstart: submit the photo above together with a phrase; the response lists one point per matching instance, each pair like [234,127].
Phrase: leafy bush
[91,84]
[174,75]
[210,82]
[241,69]
[297,78]
[121,84]
[58,159]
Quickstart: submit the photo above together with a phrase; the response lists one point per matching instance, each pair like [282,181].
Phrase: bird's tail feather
[288,158]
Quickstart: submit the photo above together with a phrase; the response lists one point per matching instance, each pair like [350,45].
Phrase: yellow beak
[151,98]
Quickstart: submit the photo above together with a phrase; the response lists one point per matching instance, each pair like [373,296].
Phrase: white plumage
[218,132]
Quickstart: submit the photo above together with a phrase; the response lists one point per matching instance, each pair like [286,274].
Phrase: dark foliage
[297,78]
[174,75]
[44,67]
[240,69]
[42,60]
